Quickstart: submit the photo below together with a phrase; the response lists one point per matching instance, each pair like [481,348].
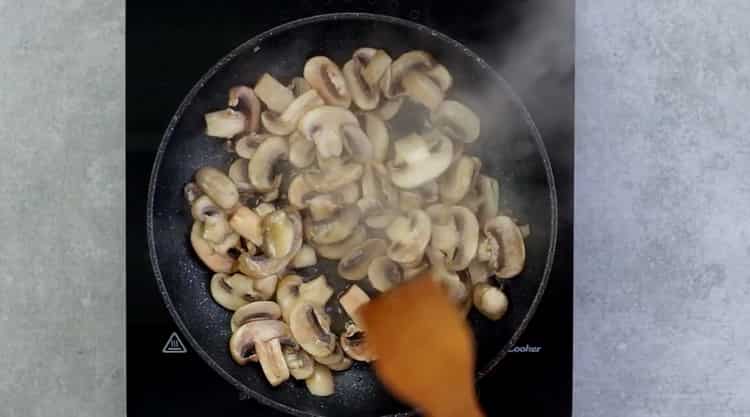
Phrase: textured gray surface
[62,211]
[663,200]
[662,208]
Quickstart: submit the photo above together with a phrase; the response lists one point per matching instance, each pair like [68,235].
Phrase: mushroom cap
[245,100]
[355,264]
[287,294]
[339,249]
[218,186]
[261,166]
[384,273]
[242,343]
[354,343]
[333,230]
[409,236]
[326,78]
[310,326]
[421,169]
[504,247]
[257,310]
[322,125]
[456,121]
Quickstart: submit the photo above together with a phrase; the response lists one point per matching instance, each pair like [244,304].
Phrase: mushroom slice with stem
[453,284]
[490,301]
[411,61]
[286,122]
[264,338]
[299,86]
[423,169]
[376,66]
[377,131]
[245,100]
[263,162]
[320,384]
[301,365]
[409,236]
[457,181]
[216,228]
[301,151]
[503,247]
[467,227]
[326,78]
[233,292]
[275,95]
[225,123]
[299,192]
[357,144]
[287,294]
[238,174]
[305,257]
[258,267]
[258,310]
[423,90]
[248,224]
[203,207]
[323,206]
[322,125]
[355,264]
[384,273]
[337,176]
[215,261]
[351,301]
[456,121]
[245,146]
[354,343]
[266,287]
[217,186]
[279,234]
[332,230]
[339,249]
[310,326]
[365,96]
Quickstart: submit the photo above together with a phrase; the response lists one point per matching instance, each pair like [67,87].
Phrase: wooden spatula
[425,349]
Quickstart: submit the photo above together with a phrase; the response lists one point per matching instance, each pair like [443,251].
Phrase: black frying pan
[510,148]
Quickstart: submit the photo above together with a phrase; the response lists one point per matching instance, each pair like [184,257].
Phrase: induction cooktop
[170,44]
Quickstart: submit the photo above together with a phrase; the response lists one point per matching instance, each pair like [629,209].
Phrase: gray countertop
[662,208]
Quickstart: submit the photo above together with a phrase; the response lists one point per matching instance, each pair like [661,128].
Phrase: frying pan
[510,148]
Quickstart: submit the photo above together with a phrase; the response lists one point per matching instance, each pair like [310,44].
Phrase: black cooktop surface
[170,44]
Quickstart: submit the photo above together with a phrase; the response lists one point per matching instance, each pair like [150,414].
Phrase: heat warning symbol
[174,345]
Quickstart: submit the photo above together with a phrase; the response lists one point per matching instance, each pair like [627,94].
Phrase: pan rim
[250,43]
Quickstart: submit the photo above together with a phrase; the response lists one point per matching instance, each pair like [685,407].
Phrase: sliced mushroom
[351,301]
[238,174]
[299,192]
[310,326]
[215,261]
[377,132]
[245,100]
[332,230]
[490,301]
[423,90]
[503,247]
[286,122]
[258,267]
[301,365]
[275,95]
[451,281]
[233,292]
[457,181]
[264,209]
[245,146]
[225,123]
[420,171]
[192,192]
[415,270]
[257,310]
[389,108]
[384,274]
[340,249]
[264,338]
[336,356]
[217,186]
[409,200]
[316,291]
[489,195]
[301,151]
[216,228]
[357,144]
[287,294]
[344,364]
[354,343]
[365,96]
[326,78]
[299,86]
[248,224]
[320,384]
[479,272]
[332,178]
[441,76]
[407,63]
[381,219]
[323,206]
[266,287]
[377,65]
[305,257]
[203,207]
[355,264]
[456,121]
[279,234]
[263,162]
[322,125]
[409,236]
[468,238]
[377,187]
